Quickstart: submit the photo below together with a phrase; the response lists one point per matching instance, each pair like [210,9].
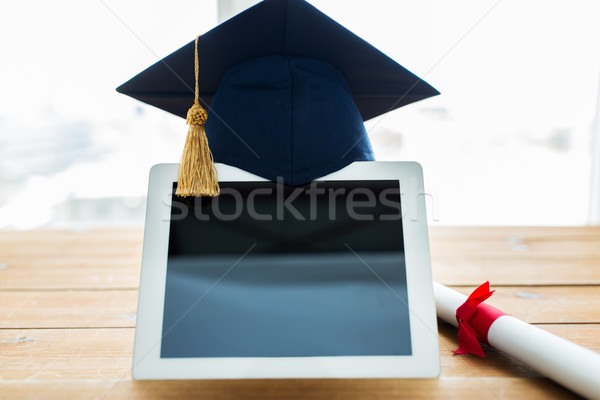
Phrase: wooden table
[68,306]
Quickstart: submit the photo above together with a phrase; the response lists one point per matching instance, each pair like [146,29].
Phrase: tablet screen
[269,270]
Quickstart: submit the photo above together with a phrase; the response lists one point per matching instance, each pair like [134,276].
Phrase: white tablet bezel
[424,361]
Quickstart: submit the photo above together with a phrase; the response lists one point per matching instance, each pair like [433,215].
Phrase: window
[509,141]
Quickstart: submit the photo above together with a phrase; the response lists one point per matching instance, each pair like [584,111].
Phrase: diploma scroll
[567,363]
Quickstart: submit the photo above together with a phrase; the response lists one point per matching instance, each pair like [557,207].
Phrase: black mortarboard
[288,90]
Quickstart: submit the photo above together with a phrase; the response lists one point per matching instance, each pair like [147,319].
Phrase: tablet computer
[324,280]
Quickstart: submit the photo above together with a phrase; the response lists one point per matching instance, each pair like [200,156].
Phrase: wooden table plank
[97,243]
[106,353]
[516,255]
[62,259]
[586,335]
[547,243]
[83,287]
[283,389]
[43,361]
[71,273]
[117,308]
[68,309]
[468,269]
[546,304]
[51,354]
[104,259]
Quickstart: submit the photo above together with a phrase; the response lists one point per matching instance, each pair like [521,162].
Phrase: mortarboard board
[287,88]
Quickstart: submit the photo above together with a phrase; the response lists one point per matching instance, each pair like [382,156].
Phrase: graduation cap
[287,90]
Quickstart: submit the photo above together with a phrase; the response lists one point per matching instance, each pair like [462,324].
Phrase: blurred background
[514,138]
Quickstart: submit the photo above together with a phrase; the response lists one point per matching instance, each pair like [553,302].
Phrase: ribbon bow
[469,333]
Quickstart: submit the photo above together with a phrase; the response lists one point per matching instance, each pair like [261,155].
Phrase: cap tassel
[197,175]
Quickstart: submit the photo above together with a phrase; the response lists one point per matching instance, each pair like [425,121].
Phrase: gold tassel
[197,175]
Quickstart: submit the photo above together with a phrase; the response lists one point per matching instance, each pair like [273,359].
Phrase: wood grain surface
[68,302]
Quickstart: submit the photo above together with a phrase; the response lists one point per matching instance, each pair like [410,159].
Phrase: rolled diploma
[567,363]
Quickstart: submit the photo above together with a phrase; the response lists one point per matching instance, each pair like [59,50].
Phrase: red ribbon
[474,321]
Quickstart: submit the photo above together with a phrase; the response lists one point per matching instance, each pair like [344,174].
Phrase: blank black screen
[268,270]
